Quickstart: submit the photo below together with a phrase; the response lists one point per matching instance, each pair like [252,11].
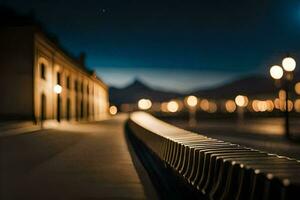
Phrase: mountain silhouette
[254,86]
[138,90]
[250,86]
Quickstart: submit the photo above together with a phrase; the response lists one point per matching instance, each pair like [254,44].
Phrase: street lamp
[276,72]
[58,90]
[289,64]
[285,73]
[192,103]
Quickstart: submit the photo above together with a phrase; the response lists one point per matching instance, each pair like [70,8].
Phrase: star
[101,11]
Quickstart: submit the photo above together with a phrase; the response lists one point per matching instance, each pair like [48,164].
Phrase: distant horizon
[111,82]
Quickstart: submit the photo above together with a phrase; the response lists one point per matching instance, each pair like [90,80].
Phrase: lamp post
[58,90]
[285,75]
[241,101]
[192,103]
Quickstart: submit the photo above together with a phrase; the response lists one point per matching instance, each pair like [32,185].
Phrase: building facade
[31,66]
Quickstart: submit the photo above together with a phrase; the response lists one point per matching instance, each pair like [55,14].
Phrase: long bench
[218,169]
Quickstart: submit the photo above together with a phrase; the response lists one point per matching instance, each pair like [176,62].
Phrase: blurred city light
[288,64]
[276,72]
[57,89]
[113,110]
[297,88]
[192,101]
[262,106]
[270,105]
[172,106]
[255,105]
[290,106]
[241,101]
[277,103]
[204,105]
[164,107]
[230,106]
[283,105]
[282,94]
[212,107]
[144,104]
[297,105]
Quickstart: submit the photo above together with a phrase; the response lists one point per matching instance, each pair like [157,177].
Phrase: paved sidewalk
[13,128]
[74,161]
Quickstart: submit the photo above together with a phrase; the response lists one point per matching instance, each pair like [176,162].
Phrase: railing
[218,169]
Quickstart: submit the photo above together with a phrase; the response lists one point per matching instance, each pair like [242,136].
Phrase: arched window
[58,78]
[43,71]
[68,82]
[43,107]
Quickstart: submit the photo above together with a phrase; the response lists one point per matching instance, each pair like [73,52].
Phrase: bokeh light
[230,106]
[113,110]
[289,64]
[172,106]
[144,104]
[192,101]
[57,89]
[276,72]
[212,107]
[297,88]
[281,95]
[241,100]
[277,103]
[297,105]
[204,105]
[270,105]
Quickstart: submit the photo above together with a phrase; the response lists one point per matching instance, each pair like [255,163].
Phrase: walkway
[82,161]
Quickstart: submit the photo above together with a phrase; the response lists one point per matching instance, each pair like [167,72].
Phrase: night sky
[173,44]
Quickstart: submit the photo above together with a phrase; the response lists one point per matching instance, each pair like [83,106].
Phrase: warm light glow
[276,72]
[290,105]
[281,95]
[164,107]
[172,106]
[255,105]
[270,105]
[297,88]
[192,101]
[113,110]
[297,105]
[241,100]
[277,103]
[283,105]
[204,105]
[212,107]
[262,106]
[57,89]
[144,104]
[289,64]
[230,106]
